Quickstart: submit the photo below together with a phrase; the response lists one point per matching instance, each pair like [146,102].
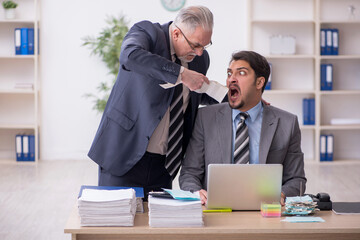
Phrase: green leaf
[107,45]
[9,4]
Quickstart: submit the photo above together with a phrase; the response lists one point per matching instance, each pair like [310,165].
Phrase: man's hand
[203,196]
[282,200]
[193,80]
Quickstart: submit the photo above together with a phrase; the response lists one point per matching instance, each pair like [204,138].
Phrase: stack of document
[300,205]
[139,193]
[345,121]
[107,207]
[165,212]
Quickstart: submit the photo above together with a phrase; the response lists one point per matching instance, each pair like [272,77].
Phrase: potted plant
[107,46]
[9,7]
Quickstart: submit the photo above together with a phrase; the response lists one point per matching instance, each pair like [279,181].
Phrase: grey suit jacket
[211,142]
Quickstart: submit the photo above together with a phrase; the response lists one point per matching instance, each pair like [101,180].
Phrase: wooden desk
[235,225]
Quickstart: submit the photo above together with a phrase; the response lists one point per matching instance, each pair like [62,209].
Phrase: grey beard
[183,59]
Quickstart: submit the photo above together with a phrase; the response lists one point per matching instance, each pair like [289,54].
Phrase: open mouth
[234,91]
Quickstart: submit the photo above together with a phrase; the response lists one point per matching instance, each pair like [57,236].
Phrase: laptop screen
[243,186]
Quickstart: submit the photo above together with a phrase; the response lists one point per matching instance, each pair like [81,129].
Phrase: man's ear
[260,81]
[176,33]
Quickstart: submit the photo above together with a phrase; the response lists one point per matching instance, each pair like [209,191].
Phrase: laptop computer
[243,186]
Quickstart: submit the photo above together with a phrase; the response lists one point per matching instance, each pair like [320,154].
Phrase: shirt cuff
[179,77]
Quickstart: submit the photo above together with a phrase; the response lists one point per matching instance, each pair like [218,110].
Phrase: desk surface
[234,225]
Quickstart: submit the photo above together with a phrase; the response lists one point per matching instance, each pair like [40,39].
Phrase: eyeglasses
[192,45]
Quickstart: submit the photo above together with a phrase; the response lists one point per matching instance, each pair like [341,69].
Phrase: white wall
[68,71]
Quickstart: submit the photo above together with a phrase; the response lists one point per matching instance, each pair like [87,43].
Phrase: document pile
[166,212]
[107,207]
[300,205]
[139,193]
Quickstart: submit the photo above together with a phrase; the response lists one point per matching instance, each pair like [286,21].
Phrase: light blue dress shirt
[254,128]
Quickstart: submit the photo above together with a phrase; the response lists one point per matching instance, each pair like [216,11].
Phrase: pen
[217,210]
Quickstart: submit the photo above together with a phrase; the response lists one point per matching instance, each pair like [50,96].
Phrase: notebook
[346,207]
[243,186]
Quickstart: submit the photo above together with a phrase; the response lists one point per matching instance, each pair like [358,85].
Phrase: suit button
[159,117]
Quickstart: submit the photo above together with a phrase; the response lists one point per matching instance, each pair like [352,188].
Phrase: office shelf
[297,76]
[19,107]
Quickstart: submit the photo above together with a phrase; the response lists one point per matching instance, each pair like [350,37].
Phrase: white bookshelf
[19,107]
[295,77]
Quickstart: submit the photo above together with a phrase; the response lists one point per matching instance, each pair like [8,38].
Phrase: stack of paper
[139,193]
[107,207]
[300,205]
[345,121]
[164,212]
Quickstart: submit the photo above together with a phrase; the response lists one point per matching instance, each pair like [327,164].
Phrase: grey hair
[195,16]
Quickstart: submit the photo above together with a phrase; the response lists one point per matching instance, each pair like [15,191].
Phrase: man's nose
[233,78]
[199,51]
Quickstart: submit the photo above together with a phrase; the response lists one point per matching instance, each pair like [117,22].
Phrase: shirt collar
[253,112]
[172,50]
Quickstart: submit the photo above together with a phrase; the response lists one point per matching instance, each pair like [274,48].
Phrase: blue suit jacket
[137,103]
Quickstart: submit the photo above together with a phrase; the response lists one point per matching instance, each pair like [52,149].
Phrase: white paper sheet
[94,195]
[214,89]
[302,219]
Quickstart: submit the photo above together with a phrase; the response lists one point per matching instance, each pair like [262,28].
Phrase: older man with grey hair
[145,128]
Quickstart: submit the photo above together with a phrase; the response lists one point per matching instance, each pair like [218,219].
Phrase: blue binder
[323,141]
[311,103]
[329,44]
[335,41]
[17,41]
[323,77]
[329,77]
[322,41]
[25,145]
[24,41]
[31,148]
[330,147]
[18,148]
[306,116]
[30,41]
[139,191]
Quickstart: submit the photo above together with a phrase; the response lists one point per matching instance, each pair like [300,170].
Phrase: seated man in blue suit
[145,128]
[269,135]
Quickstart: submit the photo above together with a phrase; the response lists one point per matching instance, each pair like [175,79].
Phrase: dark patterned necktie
[176,130]
[241,150]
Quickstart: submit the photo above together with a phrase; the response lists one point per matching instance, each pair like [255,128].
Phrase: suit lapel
[268,128]
[224,128]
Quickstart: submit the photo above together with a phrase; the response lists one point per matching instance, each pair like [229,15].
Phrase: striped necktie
[176,130]
[241,150]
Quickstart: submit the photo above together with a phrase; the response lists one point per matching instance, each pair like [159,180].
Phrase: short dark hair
[256,62]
